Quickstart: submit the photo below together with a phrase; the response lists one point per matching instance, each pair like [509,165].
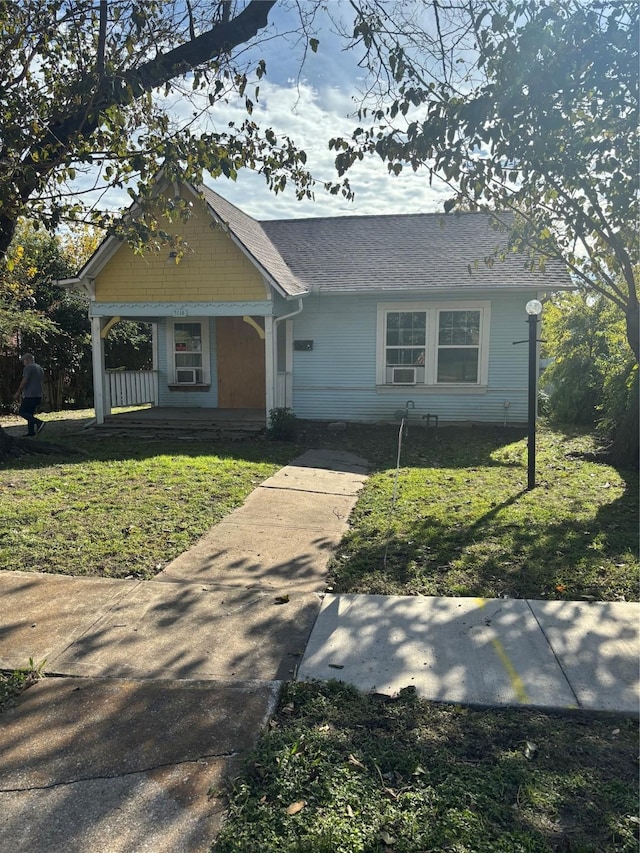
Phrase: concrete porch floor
[191,413]
[183,420]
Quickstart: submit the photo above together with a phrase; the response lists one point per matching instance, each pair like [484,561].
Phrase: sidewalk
[164,685]
[554,655]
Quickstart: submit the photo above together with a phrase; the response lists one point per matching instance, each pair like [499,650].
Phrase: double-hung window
[458,357]
[189,352]
[433,344]
[406,338]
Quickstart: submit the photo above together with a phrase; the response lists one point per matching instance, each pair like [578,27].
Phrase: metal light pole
[533,309]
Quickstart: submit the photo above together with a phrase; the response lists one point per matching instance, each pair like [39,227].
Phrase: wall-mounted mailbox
[303,346]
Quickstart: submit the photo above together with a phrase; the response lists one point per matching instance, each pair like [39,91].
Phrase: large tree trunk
[632,315]
[11,448]
[7,230]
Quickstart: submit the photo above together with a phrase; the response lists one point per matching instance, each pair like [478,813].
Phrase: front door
[241,368]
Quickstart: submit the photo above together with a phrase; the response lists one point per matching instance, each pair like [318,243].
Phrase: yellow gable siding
[213,269]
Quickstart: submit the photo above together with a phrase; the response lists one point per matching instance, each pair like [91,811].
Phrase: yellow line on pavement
[505,660]
[516,681]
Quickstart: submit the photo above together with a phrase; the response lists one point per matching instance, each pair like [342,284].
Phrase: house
[342,318]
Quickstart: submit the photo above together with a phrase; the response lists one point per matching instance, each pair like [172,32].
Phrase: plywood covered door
[241,368]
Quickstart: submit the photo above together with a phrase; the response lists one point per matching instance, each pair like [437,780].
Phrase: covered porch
[165,421]
[232,368]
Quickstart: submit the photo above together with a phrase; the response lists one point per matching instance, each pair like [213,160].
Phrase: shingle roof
[404,252]
[414,252]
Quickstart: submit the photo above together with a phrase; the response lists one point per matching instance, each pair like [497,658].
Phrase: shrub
[283,425]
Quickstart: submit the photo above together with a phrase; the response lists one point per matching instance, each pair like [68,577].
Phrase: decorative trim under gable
[180,309]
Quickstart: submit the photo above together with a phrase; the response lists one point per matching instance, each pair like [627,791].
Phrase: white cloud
[311,117]
[310,104]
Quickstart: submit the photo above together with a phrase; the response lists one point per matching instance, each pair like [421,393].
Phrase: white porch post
[271,368]
[100,400]
[154,363]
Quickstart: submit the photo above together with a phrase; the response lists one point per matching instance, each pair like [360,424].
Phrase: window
[433,344]
[458,346]
[189,353]
[406,340]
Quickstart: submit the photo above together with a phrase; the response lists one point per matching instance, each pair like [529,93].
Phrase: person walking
[31,391]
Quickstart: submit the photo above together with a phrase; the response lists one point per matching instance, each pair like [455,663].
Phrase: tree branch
[123,90]
[102,40]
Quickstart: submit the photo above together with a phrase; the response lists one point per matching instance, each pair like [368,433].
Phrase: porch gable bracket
[107,328]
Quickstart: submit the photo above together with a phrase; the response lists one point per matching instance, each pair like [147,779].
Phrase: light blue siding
[336,380]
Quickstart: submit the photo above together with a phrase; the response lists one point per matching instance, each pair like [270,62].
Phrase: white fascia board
[85,284]
[425,291]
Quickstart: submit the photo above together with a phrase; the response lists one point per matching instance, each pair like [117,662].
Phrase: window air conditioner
[403,376]
[186,375]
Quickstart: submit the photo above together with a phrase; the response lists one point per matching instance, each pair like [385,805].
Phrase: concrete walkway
[164,685]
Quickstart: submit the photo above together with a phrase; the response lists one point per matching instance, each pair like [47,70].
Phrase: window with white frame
[458,356]
[405,342]
[189,352]
[435,344]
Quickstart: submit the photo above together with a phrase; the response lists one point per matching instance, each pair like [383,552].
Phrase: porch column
[154,363]
[100,399]
[271,372]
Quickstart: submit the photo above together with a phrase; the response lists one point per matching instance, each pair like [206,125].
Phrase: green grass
[128,507]
[366,774]
[464,523]
[12,684]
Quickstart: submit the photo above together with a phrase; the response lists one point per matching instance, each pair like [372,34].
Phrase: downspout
[276,324]
[278,320]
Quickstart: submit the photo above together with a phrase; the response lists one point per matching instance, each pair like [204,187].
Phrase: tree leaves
[105,108]
[546,127]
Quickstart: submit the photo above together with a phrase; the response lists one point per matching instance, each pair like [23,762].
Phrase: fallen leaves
[356,763]
[296,807]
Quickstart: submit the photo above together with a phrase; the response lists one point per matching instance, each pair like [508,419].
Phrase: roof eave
[425,289]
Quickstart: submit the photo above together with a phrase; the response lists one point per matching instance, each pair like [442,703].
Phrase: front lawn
[464,524]
[128,507]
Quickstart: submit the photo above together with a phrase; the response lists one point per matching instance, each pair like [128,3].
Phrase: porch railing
[131,387]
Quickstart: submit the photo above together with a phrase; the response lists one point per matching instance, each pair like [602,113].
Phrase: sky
[310,97]
[311,101]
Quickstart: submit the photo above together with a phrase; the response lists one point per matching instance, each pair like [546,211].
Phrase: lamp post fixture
[533,309]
